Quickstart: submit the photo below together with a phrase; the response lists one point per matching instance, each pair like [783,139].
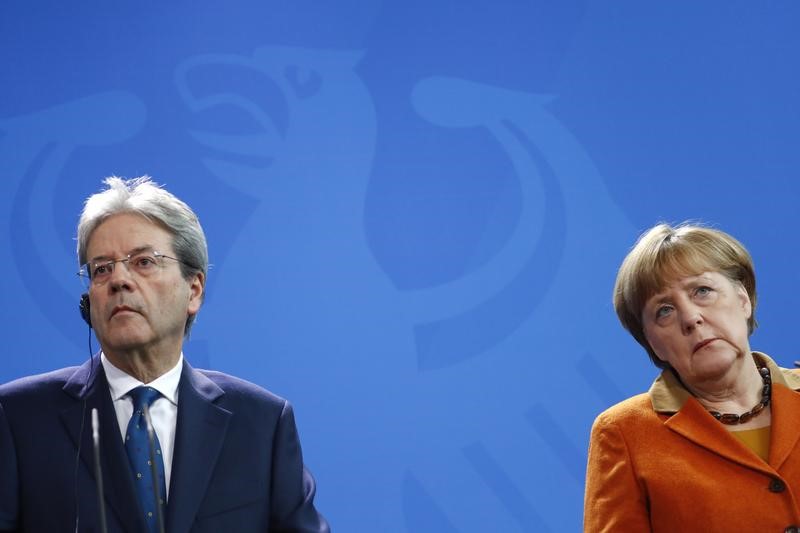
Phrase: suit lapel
[199,435]
[785,424]
[696,424]
[90,385]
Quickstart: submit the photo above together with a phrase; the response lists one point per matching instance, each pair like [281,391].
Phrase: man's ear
[197,287]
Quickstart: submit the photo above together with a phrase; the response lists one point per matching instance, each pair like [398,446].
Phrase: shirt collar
[120,383]
[667,393]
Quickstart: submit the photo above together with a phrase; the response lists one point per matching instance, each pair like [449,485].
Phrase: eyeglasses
[145,263]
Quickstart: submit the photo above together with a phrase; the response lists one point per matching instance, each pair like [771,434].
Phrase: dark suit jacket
[237,465]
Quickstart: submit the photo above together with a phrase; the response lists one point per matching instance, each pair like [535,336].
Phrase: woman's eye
[663,311]
[702,291]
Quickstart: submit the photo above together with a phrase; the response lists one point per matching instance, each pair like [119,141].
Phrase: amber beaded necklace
[766,395]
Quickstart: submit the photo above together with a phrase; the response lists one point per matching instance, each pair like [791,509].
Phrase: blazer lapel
[88,384]
[696,424]
[785,424]
[199,435]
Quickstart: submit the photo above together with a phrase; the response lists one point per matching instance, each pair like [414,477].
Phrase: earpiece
[84,308]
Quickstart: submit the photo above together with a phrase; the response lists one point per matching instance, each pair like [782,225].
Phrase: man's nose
[120,276]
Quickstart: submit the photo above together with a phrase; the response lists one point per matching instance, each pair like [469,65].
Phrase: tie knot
[143,396]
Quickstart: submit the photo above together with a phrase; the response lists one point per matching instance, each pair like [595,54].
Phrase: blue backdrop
[415,212]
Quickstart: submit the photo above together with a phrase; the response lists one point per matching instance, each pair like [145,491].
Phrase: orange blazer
[659,462]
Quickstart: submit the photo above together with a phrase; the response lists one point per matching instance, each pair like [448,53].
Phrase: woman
[715,443]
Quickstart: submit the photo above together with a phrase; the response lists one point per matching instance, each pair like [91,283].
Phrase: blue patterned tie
[138,448]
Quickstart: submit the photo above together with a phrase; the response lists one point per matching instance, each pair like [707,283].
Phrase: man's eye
[143,262]
[101,270]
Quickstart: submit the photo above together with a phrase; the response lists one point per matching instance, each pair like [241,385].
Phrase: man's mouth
[122,309]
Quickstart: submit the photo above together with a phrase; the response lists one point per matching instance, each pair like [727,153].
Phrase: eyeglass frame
[85,273]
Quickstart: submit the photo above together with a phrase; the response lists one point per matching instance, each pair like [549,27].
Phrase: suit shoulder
[238,388]
[634,408]
[37,384]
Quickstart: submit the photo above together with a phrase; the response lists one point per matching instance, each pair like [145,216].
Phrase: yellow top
[755,439]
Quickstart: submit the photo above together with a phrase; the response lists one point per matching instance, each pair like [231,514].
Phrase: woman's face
[698,324]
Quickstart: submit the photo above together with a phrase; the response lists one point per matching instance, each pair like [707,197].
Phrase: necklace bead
[766,395]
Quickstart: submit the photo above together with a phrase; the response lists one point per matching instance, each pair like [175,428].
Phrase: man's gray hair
[143,197]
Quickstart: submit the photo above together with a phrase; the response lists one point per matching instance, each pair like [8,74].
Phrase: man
[227,453]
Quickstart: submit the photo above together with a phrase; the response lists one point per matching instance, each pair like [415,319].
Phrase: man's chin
[122,341]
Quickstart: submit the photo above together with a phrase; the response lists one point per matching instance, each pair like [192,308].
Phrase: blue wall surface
[415,212]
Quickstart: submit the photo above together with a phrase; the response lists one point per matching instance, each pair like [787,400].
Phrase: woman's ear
[744,298]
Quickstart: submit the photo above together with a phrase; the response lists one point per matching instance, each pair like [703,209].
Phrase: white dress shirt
[163,412]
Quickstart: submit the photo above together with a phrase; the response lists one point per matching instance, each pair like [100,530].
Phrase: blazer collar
[691,420]
[89,388]
[199,436]
[668,395]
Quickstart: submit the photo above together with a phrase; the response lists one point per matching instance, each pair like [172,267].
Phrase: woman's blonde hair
[665,253]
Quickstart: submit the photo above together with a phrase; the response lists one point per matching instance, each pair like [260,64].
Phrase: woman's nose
[691,317]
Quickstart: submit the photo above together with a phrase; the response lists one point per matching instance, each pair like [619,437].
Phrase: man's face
[134,312]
